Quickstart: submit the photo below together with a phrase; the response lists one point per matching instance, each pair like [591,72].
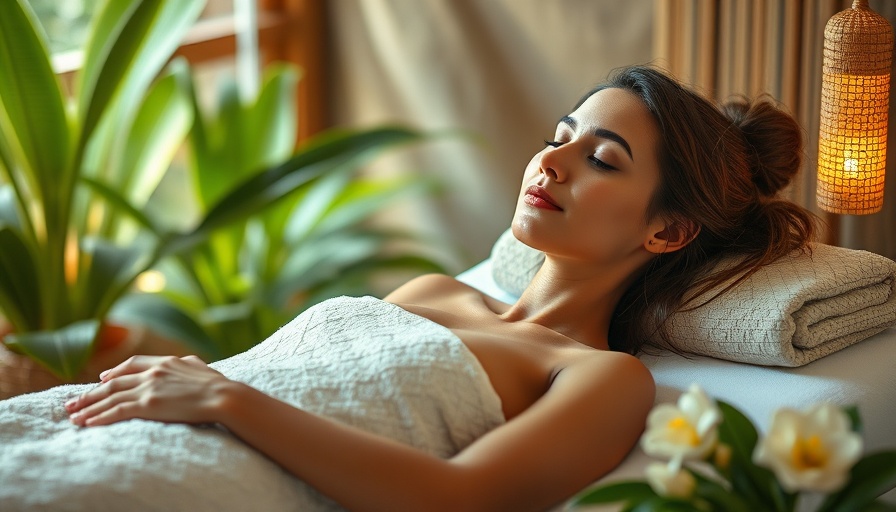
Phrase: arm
[575,433]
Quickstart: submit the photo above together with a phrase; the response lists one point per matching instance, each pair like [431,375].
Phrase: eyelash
[592,159]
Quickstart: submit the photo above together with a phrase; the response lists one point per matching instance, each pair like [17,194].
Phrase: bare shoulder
[601,370]
[604,381]
[427,286]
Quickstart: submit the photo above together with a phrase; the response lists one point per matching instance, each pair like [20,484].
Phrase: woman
[644,186]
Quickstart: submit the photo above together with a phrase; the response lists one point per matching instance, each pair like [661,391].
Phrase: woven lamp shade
[855,93]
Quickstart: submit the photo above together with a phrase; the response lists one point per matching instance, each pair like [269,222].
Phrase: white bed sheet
[863,375]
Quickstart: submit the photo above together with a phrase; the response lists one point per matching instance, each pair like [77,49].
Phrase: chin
[528,232]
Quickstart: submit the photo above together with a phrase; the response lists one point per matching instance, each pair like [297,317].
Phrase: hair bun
[774,142]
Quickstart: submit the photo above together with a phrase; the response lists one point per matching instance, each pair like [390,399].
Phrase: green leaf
[160,127]
[665,505]
[879,506]
[315,201]
[64,351]
[33,120]
[226,166]
[872,476]
[199,139]
[121,205]
[270,124]
[718,495]
[363,198]
[19,290]
[9,215]
[855,418]
[155,312]
[108,269]
[326,152]
[755,483]
[144,32]
[737,431]
[618,491]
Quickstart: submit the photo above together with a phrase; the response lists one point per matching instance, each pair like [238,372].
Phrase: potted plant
[75,175]
[248,279]
[59,274]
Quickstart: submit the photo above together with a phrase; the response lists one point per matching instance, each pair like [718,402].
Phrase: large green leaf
[199,139]
[159,128]
[19,288]
[363,198]
[314,203]
[33,120]
[330,151]
[63,351]
[134,43]
[270,125]
[226,164]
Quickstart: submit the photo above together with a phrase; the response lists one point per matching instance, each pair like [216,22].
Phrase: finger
[194,360]
[83,416]
[119,412]
[102,392]
[134,364]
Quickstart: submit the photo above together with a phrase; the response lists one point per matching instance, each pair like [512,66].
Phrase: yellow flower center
[682,432]
[809,453]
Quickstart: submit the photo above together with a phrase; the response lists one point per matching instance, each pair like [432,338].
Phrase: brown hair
[721,168]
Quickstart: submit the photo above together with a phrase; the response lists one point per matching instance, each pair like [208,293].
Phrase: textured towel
[789,313]
[360,361]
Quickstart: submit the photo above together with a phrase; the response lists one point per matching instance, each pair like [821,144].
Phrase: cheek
[620,214]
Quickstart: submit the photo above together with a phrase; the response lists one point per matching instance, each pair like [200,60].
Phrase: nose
[552,164]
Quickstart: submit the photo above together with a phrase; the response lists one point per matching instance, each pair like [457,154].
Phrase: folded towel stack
[790,313]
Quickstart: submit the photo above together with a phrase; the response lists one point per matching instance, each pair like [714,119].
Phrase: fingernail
[103,375]
[70,403]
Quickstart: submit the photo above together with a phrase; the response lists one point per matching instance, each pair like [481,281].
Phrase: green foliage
[76,176]
[57,265]
[245,281]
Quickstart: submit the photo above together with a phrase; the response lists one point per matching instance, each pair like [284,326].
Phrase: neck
[575,300]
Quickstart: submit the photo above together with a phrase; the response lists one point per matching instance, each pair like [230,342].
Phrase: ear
[672,236]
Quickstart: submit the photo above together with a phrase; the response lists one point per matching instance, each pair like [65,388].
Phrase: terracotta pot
[20,374]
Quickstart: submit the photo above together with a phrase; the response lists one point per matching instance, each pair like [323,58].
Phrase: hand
[166,388]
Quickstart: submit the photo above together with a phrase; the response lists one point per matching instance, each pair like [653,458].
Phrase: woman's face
[585,195]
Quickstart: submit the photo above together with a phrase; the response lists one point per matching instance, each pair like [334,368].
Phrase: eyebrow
[603,133]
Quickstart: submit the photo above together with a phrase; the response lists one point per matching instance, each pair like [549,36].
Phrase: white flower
[670,480]
[686,431]
[813,450]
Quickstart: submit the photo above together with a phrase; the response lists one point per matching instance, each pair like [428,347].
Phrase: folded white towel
[789,313]
[360,361]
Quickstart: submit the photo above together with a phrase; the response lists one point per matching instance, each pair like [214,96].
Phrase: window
[286,30]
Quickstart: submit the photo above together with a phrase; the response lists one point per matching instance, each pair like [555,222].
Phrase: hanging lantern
[855,92]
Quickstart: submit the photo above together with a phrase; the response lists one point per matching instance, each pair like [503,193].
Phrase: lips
[538,197]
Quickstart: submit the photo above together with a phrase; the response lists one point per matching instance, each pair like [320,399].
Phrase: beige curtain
[729,47]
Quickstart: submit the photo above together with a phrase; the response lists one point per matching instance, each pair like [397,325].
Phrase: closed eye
[601,164]
[593,160]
